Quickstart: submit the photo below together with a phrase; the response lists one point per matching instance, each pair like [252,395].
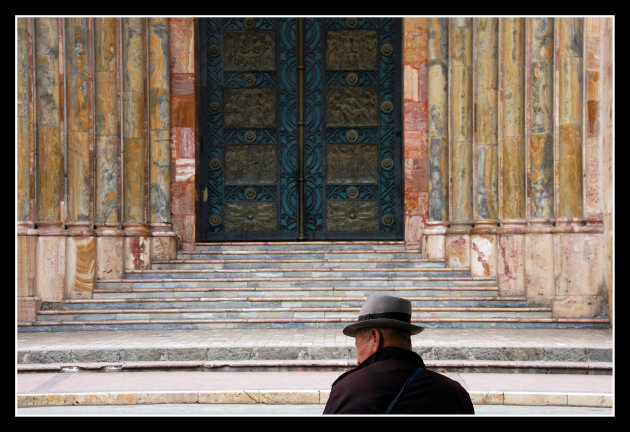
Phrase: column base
[163,242]
[27,308]
[434,240]
[81,266]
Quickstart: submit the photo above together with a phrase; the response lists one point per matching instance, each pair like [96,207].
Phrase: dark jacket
[370,387]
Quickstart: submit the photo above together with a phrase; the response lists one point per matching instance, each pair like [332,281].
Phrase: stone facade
[507,152]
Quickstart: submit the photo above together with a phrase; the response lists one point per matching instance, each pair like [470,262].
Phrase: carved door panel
[301,132]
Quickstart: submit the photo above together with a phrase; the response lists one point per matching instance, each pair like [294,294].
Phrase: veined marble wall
[507,151]
[519,181]
[93,152]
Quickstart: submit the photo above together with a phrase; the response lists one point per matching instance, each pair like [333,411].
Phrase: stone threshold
[283,397]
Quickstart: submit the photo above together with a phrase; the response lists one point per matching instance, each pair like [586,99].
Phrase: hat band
[399,316]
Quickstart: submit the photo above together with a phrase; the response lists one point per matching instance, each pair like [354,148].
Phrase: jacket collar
[387,353]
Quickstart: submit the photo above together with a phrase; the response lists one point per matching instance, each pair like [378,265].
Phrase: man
[385,362]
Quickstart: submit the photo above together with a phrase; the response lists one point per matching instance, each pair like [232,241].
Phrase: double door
[301,129]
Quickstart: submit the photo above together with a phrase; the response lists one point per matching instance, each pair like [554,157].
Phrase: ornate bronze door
[301,129]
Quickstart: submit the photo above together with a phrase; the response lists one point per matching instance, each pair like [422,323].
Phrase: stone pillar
[163,244]
[134,129]
[28,302]
[434,233]
[511,241]
[580,286]
[50,184]
[25,133]
[80,244]
[570,76]
[540,155]
[485,148]
[461,136]
[79,124]
[416,141]
[606,68]
[107,179]
[183,128]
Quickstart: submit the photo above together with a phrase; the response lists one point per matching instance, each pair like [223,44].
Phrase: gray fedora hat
[384,311]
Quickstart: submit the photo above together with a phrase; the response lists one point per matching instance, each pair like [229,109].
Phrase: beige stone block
[578,264]
[109,253]
[81,266]
[434,246]
[229,396]
[486,398]
[539,280]
[93,398]
[578,306]
[511,264]
[34,400]
[282,397]
[51,266]
[58,399]
[323,396]
[137,252]
[167,397]
[483,254]
[590,399]
[163,248]
[457,250]
[410,84]
[534,399]
[27,308]
[26,265]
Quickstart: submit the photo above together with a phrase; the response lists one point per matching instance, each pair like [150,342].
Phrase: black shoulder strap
[411,377]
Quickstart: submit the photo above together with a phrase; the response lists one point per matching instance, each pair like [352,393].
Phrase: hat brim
[351,330]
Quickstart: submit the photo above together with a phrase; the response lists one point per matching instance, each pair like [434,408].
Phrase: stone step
[436,292]
[297,312]
[262,273]
[289,254]
[279,301]
[308,246]
[312,282]
[441,366]
[291,263]
[504,349]
[305,323]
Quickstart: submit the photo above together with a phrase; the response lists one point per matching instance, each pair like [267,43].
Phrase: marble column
[49,132]
[540,133]
[134,130]
[513,195]
[486,122]
[163,245]
[184,136]
[435,230]
[511,241]
[79,124]
[107,175]
[539,279]
[81,243]
[50,150]
[570,66]
[485,148]
[461,137]
[578,246]
[28,303]
[25,133]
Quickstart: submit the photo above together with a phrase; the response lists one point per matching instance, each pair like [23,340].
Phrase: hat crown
[377,304]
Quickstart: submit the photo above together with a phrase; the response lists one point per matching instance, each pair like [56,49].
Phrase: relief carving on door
[301,129]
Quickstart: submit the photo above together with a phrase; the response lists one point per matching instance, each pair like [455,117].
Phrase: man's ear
[378,338]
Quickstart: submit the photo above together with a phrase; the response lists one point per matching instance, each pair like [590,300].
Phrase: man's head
[384,311]
[368,340]
[383,321]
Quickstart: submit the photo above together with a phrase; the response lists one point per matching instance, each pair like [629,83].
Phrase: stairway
[292,285]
